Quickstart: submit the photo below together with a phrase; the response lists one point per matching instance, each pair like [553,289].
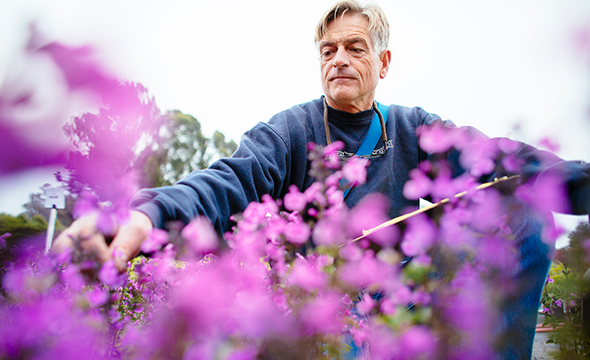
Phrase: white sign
[55,197]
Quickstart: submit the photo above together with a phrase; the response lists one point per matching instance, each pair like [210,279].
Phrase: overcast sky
[230,63]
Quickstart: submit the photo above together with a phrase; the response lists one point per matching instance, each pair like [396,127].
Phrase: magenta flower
[329,230]
[294,200]
[72,278]
[110,276]
[297,232]
[156,239]
[366,304]
[435,138]
[201,236]
[307,275]
[419,236]
[96,297]
[418,343]
[355,171]
[2,239]
[331,159]
[323,314]
[548,193]
[367,214]
[479,156]
[549,144]
[419,185]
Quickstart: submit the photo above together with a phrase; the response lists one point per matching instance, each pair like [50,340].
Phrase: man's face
[350,66]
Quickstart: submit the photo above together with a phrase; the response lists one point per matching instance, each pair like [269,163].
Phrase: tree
[181,148]
[107,143]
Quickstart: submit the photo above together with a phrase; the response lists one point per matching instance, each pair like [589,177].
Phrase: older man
[352,41]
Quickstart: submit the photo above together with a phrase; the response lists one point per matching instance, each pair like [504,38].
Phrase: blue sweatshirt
[272,156]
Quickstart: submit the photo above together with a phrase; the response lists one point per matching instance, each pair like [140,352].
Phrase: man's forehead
[347,28]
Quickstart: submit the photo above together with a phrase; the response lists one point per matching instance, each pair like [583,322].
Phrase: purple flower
[156,239]
[419,236]
[72,277]
[201,236]
[330,230]
[366,304]
[479,156]
[498,252]
[331,159]
[367,214]
[418,186]
[2,239]
[323,314]
[307,275]
[110,276]
[96,297]
[355,171]
[418,343]
[294,200]
[435,138]
[297,232]
[549,144]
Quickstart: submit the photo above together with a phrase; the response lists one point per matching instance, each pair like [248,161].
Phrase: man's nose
[341,58]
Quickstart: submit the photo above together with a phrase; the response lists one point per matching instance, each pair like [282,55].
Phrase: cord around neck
[375,107]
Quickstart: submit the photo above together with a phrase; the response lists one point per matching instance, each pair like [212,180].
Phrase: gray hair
[378,25]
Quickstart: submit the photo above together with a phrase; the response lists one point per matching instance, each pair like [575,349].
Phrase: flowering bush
[299,279]
[565,292]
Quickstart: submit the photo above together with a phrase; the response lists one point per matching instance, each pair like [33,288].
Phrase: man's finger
[127,241]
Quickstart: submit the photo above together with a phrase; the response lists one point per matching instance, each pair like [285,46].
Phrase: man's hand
[126,243]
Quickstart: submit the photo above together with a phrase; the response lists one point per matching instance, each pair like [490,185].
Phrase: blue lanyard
[373,137]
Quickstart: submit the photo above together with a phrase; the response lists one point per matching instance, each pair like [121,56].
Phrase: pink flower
[2,239]
[479,156]
[419,185]
[156,239]
[366,304]
[355,171]
[508,146]
[419,236]
[418,343]
[110,276]
[307,275]
[297,232]
[201,236]
[367,214]
[549,144]
[330,230]
[323,314]
[547,194]
[435,138]
[294,200]
[331,159]
[96,297]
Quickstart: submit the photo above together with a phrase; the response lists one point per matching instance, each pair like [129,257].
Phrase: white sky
[232,63]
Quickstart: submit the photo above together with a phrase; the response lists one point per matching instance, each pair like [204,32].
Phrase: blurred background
[517,68]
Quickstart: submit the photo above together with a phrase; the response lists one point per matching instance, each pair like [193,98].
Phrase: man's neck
[351,107]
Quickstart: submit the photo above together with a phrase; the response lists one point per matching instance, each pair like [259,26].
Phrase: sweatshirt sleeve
[259,166]
[537,165]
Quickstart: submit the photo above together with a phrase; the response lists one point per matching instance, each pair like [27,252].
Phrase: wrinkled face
[350,66]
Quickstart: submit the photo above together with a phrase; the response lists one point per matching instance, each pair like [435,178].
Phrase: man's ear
[385,58]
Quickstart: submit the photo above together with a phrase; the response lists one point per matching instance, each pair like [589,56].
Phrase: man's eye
[356,50]
[327,53]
